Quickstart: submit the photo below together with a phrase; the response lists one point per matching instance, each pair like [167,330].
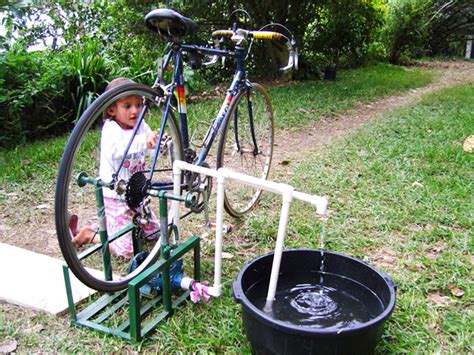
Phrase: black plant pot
[330,73]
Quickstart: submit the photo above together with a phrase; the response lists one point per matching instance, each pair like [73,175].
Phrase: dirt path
[33,227]
[326,131]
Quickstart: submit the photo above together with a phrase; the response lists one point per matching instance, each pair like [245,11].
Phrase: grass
[295,105]
[300,103]
[399,199]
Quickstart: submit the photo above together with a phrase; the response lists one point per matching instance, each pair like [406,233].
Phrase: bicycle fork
[251,123]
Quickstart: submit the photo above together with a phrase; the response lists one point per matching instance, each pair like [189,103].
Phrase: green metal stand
[109,313]
[143,314]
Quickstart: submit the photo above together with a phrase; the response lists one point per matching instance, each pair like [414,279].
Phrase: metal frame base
[143,314]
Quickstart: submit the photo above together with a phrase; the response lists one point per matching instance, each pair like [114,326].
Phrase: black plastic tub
[268,335]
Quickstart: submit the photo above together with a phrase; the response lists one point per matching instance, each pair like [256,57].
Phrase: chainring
[196,181]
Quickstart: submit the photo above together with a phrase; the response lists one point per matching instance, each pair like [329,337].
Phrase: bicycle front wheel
[83,198]
[246,146]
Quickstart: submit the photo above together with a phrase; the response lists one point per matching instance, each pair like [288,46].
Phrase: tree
[343,30]
[405,30]
[449,21]
[334,28]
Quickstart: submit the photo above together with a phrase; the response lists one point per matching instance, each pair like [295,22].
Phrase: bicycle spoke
[244,157]
[85,197]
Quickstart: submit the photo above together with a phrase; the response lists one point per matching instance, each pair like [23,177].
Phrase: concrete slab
[36,281]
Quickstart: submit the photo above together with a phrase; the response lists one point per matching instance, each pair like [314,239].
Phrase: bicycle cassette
[136,190]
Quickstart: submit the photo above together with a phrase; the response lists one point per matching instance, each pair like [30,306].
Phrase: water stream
[321,246]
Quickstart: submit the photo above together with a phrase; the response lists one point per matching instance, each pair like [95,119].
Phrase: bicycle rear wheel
[246,146]
[77,197]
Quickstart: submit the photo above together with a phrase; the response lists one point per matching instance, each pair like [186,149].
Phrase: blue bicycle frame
[238,83]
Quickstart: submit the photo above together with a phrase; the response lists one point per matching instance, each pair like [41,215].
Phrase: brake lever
[292,57]
[214,58]
[213,61]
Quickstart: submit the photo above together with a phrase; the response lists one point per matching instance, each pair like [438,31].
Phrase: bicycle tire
[82,154]
[240,199]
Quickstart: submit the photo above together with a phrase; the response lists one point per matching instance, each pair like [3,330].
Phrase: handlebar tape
[223,33]
[255,34]
[266,35]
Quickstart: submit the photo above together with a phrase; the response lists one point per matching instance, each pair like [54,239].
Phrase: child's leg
[118,216]
[85,236]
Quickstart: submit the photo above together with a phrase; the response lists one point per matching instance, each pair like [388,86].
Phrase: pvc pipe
[175,203]
[285,209]
[178,167]
[320,202]
[216,289]
[288,194]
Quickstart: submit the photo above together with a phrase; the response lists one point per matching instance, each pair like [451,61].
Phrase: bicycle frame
[177,85]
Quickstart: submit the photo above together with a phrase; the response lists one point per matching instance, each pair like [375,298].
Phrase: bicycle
[245,144]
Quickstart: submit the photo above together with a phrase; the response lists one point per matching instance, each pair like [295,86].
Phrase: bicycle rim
[82,155]
[236,147]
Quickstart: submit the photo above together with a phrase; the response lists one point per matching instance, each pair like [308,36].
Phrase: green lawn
[400,193]
[401,197]
[295,105]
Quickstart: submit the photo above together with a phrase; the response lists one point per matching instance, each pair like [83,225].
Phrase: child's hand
[151,139]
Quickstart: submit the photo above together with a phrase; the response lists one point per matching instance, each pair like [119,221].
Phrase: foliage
[89,72]
[32,85]
[44,93]
[84,45]
[87,43]
[323,29]
[431,27]
[343,30]
[405,29]
[449,24]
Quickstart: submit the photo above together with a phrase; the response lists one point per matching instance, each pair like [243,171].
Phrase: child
[119,120]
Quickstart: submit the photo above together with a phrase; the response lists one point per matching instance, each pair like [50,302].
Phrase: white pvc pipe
[216,289]
[285,209]
[178,167]
[288,194]
[175,204]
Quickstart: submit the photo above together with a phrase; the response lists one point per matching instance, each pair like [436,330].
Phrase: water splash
[338,304]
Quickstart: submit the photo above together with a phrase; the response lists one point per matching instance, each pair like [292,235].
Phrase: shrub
[342,31]
[29,99]
[405,30]
[45,92]
[88,73]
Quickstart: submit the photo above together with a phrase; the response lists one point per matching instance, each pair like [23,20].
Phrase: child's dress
[114,140]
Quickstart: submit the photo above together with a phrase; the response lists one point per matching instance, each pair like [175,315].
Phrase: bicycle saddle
[169,23]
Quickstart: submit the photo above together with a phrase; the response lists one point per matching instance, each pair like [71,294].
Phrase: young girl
[119,120]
